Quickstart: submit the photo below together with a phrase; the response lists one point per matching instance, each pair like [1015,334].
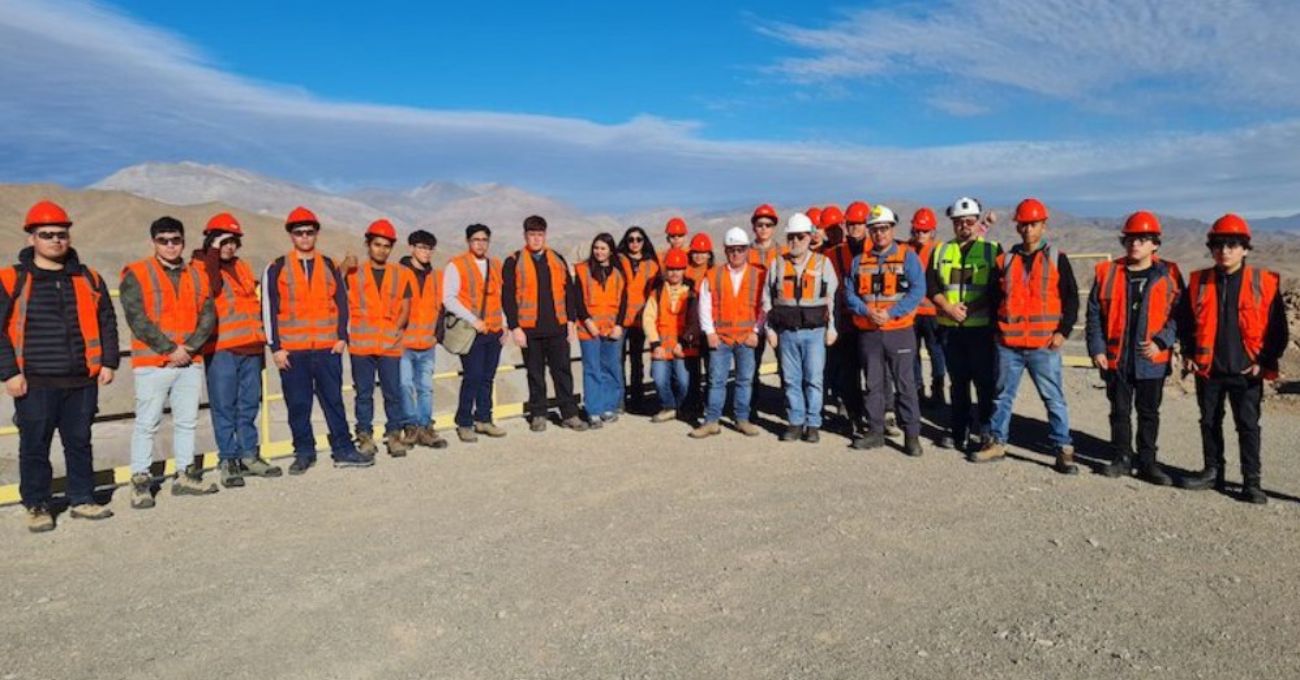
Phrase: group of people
[844,303]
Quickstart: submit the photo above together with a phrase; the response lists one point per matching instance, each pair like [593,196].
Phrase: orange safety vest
[426,306]
[526,287]
[307,319]
[671,322]
[86,289]
[1259,287]
[696,273]
[373,313]
[175,311]
[239,311]
[841,257]
[735,313]
[810,285]
[638,276]
[1112,293]
[879,285]
[602,301]
[1030,310]
[926,253]
[765,258]
[483,300]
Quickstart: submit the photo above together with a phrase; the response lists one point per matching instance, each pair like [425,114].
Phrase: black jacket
[548,324]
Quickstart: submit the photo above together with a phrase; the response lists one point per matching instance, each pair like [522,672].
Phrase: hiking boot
[366,445]
[1154,474]
[396,444]
[1252,493]
[945,441]
[664,416]
[869,440]
[706,430]
[812,435]
[352,459]
[1065,461]
[990,452]
[912,446]
[1121,466]
[141,493]
[792,433]
[891,426]
[1199,481]
[232,474]
[186,484]
[411,436]
[255,466]
[39,519]
[490,429]
[748,429]
[466,434]
[537,424]
[300,465]
[90,511]
[574,423]
[429,437]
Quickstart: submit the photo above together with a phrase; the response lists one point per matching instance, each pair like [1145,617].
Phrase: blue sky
[1102,106]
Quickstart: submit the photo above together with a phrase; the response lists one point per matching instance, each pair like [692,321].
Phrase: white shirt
[451,288]
[705,300]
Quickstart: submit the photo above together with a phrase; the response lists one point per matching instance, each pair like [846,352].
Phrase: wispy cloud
[87,90]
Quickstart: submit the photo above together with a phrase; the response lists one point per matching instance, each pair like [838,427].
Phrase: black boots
[1202,480]
[1252,493]
[1152,474]
[912,446]
[1121,466]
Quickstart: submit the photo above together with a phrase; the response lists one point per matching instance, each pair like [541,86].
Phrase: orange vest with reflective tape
[1112,294]
[1258,289]
[483,298]
[239,311]
[86,289]
[880,285]
[765,258]
[526,287]
[639,276]
[735,313]
[671,321]
[426,306]
[602,301]
[173,309]
[373,311]
[697,272]
[926,253]
[308,318]
[1030,310]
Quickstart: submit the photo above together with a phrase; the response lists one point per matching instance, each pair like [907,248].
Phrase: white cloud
[88,90]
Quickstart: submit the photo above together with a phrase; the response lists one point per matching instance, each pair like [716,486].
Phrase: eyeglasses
[53,235]
[762,224]
[170,240]
[964,221]
[303,233]
[737,249]
[797,237]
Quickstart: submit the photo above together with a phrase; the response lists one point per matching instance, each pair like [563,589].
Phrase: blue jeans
[417,386]
[39,414]
[602,375]
[720,361]
[1045,368]
[671,381]
[803,361]
[479,368]
[155,388]
[389,370]
[317,372]
[235,398]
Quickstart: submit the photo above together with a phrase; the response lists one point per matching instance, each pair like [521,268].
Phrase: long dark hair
[608,239]
[647,247]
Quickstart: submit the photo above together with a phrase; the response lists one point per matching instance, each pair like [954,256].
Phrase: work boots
[706,430]
[490,429]
[574,423]
[232,474]
[1252,493]
[811,434]
[255,466]
[991,451]
[748,428]
[1121,466]
[664,416]
[190,484]
[869,440]
[411,435]
[366,445]
[1065,461]
[1204,479]
[396,443]
[141,491]
[1153,474]
[912,446]
[792,433]
[90,511]
[39,519]
[427,436]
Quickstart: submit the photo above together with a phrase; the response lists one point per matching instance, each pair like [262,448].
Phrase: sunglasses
[737,249]
[304,233]
[170,240]
[797,237]
[764,225]
[635,239]
[1126,240]
[1226,245]
[965,221]
[53,235]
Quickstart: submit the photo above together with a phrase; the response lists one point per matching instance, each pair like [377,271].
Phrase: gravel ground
[636,552]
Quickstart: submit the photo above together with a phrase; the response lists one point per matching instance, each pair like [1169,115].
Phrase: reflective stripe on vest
[239,311]
[526,287]
[639,275]
[602,300]
[966,277]
[801,290]
[372,318]
[671,321]
[1112,295]
[308,318]
[426,306]
[735,313]
[174,310]
[765,257]
[926,253]
[882,283]
[1030,311]
[85,288]
[1259,287]
[482,298]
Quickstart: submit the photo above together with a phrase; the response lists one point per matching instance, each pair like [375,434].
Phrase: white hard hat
[736,237]
[882,215]
[798,223]
[964,207]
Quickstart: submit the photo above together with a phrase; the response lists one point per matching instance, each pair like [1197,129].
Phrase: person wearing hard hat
[799,306]
[960,284]
[831,225]
[305,314]
[675,233]
[700,259]
[171,315]
[764,250]
[471,293]
[640,267]
[1232,330]
[844,382]
[235,354]
[419,341]
[59,346]
[883,288]
[731,319]
[1131,329]
[928,330]
[671,325]
[599,300]
[1038,303]
[534,296]
[379,308]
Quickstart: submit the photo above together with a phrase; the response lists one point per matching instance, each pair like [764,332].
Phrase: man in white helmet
[799,298]
[731,317]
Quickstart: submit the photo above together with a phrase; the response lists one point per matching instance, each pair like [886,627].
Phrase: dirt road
[639,553]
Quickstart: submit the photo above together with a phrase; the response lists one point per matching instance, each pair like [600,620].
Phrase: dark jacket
[1229,351]
[1095,328]
[548,324]
[130,295]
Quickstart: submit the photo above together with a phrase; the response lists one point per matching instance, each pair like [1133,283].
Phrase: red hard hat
[46,213]
[382,228]
[830,217]
[675,259]
[1230,225]
[923,220]
[701,243]
[1031,210]
[764,210]
[675,227]
[1142,222]
[857,212]
[815,214]
[300,216]
[224,222]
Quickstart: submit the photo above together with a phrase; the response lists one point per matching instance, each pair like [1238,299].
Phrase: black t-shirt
[1137,285]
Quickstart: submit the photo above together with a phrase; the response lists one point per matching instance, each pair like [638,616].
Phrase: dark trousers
[38,414]
[234,401]
[317,372]
[848,378]
[697,382]
[365,368]
[1125,391]
[479,371]
[930,334]
[635,348]
[1244,394]
[971,358]
[543,353]
[889,357]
